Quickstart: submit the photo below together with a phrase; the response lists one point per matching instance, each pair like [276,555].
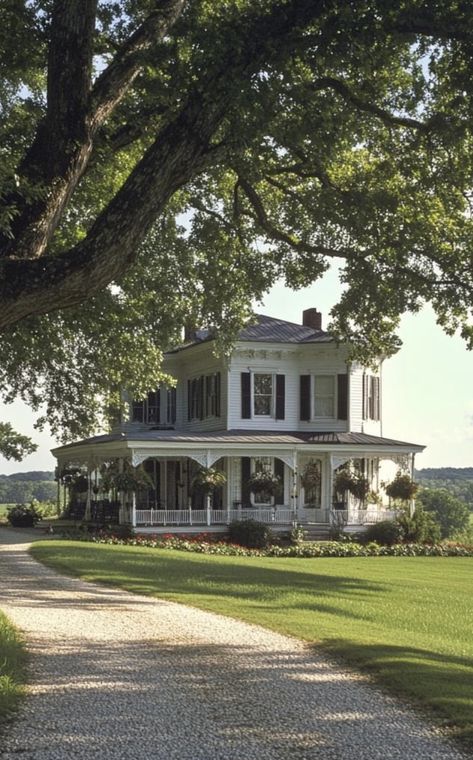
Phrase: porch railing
[163,517]
[283,515]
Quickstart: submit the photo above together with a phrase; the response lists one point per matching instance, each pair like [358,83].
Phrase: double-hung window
[262,394]
[148,410]
[324,396]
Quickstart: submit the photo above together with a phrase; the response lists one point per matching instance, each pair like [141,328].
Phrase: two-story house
[287,400]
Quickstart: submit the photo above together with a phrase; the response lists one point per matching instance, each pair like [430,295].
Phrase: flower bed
[206,544]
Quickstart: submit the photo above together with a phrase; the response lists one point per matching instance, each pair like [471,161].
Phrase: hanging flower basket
[343,481]
[264,481]
[311,477]
[130,480]
[207,479]
[355,484]
[402,487]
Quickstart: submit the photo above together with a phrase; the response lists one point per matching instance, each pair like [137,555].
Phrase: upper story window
[171,406]
[203,397]
[212,395]
[324,396]
[147,411]
[371,398]
[262,394]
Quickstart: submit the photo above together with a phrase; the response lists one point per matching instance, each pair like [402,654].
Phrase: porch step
[316,532]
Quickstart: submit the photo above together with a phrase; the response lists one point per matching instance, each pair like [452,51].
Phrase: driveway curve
[120,676]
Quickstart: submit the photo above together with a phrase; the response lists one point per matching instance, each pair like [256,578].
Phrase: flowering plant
[264,481]
[402,487]
[207,479]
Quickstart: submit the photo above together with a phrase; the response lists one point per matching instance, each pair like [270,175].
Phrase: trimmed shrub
[250,533]
[23,516]
[420,528]
[386,533]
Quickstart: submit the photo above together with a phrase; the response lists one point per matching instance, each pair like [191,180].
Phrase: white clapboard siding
[291,363]
[205,364]
[288,360]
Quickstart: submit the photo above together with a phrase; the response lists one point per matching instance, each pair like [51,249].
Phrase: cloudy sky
[427,386]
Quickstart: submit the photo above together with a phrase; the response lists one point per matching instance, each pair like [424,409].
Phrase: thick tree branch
[116,79]
[64,142]
[182,149]
[276,233]
[385,116]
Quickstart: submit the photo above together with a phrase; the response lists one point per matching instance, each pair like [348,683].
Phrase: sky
[427,385]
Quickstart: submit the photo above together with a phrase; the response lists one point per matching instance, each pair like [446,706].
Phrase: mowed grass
[408,621]
[12,668]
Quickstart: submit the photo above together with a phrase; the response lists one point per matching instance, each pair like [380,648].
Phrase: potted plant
[264,483]
[343,481]
[402,487]
[207,479]
[129,480]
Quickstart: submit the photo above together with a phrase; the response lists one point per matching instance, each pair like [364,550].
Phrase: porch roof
[173,441]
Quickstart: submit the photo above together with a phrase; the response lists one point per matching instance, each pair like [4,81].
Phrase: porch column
[87,513]
[326,491]
[412,503]
[122,512]
[133,511]
[207,506]
[295,489]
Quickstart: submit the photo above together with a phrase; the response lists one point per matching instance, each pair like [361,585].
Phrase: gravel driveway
[117,675]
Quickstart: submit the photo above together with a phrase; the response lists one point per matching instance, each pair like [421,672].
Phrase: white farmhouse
[287,401]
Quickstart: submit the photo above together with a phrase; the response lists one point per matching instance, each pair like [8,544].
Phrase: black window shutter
[200,396]
[279,472]
[280,396]
[207,382]
[245,476]
[305,397]
[371,398]
[366,397]
[217,394]
[342,397]
[189,400]
[245,396]
[376,405]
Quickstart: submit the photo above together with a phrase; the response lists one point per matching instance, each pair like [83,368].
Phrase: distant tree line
[22,487]
[445,473]
[458,481]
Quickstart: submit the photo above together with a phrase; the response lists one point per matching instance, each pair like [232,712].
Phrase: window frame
[334,397]
[145,405]
[272,407]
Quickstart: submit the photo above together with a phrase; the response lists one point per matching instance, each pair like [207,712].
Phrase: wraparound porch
[172,459]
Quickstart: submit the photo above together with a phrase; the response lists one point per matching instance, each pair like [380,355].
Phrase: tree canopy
[165,162]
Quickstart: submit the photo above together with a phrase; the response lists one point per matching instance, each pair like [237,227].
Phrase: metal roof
[245,437]
[265,329]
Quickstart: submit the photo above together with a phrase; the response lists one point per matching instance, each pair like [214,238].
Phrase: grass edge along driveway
[12,668]
[408,621]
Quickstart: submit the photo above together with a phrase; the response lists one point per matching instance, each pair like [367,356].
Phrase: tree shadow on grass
[193,576]
[441,683]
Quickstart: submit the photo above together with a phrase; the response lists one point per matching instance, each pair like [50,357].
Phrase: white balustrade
[269,515]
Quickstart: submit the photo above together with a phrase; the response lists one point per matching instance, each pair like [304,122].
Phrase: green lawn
[12,662]
[409,621]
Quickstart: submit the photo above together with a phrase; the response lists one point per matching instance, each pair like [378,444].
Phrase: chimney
[312,318]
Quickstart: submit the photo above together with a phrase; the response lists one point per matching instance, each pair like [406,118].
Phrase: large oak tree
[165,161]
